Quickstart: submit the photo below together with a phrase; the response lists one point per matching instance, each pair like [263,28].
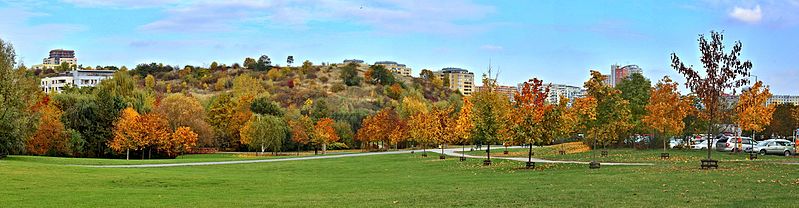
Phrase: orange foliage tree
[378,127]
[301,131]
[181,141]
[49,137]
[441,127]
[666,109]
[324,133]
[527,115]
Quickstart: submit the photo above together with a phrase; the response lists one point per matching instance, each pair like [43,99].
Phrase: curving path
[451,152]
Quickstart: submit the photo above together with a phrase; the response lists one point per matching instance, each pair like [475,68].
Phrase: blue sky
[558,41]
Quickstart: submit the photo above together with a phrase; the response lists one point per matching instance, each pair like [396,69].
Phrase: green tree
[782,121]
[17,93]
[377,74]
[249,63]
[612,111]
[265,106]
[264,131]
[349,73]
[636,91]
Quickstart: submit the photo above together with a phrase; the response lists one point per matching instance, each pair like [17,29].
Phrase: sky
[557,41]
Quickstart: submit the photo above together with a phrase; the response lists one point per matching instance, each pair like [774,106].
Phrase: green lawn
[181,159]
[403,180]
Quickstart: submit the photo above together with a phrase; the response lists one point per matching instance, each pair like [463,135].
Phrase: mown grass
[215,157]
[402,180]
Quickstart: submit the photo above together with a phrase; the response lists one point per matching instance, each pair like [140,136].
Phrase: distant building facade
[567,91]
[619,73]
[783,99]
[509,91]
[459,79]
[56,58]
[357,61]
[74,78]
[395,67]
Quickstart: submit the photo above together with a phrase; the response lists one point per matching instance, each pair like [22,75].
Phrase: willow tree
[722,72]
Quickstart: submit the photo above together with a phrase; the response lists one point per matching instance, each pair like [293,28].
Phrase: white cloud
[751,16]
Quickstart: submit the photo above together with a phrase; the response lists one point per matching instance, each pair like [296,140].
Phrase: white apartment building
[395,67]
[782,99]
[459,79]
[75,78]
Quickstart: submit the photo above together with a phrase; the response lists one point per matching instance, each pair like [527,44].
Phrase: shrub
[338,87]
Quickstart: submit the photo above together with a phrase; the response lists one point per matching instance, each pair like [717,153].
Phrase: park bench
[664,155]
[710,163]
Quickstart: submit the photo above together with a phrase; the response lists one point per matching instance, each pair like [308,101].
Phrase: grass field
[402,180]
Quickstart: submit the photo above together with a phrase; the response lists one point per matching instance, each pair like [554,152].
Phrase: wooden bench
[710,163]
[664,155]
[561,152]
[593,165]
[486,162]
[529,165]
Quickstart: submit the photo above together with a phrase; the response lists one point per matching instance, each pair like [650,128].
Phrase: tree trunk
[127,154]
[324,148]
[530,154]
[262,149]
[488,152]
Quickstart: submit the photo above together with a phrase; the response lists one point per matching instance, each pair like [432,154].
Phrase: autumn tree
[527,115]
[301,130]
[753,114]
[490,111]
[181,141]
[324,133]
[378,127]
[421,129]
[721,74]
[462,127]
[378,74]
[50,136]
[666,110]
[127,133]
[185,111]
[612,111]
[441,127]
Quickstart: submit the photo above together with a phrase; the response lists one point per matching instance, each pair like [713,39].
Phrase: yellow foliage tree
[752,112]
[666,110]
[127,132]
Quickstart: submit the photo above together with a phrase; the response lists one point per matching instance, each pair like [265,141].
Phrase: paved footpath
[451,152]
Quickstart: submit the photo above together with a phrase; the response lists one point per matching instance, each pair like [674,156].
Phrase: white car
[703,144]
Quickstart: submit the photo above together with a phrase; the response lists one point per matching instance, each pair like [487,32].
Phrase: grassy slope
[396,180]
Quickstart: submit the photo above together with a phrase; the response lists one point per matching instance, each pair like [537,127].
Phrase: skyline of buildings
[619,73]
[56,57]
[395,67]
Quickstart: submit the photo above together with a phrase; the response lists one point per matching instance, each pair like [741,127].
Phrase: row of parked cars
[731,144]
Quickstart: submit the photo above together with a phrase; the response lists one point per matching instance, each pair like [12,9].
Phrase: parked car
[776,146]
[730,144]
[676,142]
[702,145]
